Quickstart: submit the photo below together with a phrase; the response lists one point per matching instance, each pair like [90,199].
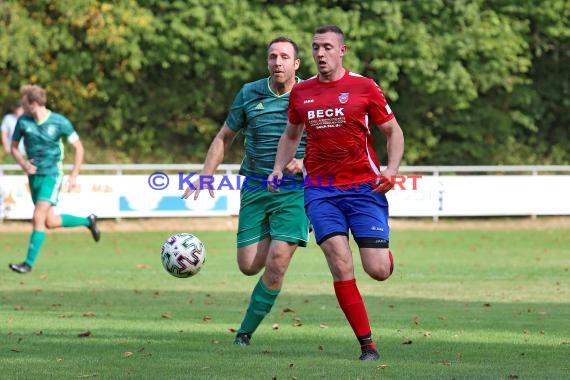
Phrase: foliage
[471,82]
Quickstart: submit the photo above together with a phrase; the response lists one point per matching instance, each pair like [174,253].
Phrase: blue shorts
[334,212]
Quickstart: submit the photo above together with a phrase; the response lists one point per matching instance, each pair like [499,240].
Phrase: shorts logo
[343,97]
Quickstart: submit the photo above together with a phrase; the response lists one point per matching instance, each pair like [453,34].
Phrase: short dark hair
[330,28]
[285,39]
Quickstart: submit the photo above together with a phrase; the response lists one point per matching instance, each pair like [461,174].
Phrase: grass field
[462,304]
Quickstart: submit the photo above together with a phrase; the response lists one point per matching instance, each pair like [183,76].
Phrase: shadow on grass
[165,334]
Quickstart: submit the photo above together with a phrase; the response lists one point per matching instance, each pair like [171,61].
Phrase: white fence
[153,190]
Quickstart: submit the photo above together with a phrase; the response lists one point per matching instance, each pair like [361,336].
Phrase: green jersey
[262,115]
[43,141]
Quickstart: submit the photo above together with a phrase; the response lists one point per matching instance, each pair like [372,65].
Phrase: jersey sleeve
[17,135]
[68,131]
[292,113]
[379,109]
[236,118]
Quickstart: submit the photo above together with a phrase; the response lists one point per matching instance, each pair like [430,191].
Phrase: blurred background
[150,81]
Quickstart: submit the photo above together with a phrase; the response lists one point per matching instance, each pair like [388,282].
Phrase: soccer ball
[183,255]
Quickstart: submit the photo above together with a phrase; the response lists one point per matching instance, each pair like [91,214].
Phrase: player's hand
[383,182]
[29,167]
[273,181]
[71,181]
[295,166]
[195,188]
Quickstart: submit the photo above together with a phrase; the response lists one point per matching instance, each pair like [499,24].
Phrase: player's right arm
[215,156]
[286,150]
[27,166]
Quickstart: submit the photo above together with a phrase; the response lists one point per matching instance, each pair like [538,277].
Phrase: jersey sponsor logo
[259,106]
[51,130]
[329,112]
[307,101]
[343,97]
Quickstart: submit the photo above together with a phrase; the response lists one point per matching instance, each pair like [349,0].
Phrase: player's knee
[51,224]
[249,270]
[380,274]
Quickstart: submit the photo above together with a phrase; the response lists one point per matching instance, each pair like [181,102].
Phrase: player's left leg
[288,227]
[266,290]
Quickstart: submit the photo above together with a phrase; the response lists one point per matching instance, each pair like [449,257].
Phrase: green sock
[36,242]
[260,304]
[73,221]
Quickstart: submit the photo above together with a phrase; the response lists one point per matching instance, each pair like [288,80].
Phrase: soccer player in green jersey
[271,225]
[42,131]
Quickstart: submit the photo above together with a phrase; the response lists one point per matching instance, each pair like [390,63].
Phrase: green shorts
[278,215]
[45,188]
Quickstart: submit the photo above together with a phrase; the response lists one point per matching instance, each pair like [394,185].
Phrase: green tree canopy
[471,82]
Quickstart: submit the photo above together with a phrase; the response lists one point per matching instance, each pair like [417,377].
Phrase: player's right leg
[37,237]
[42,190]
[328,216]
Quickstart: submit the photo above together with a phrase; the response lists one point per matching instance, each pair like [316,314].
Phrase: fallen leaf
[232,330]
[407,342]
[381,366]
[18,307]
[214,341]
[15,350]
[427,333]
[323,326]
[59,360]
[166,315]
[84,334]
[206,318]
[297,324]
[513,376]
[88,314]
[487,305]
[288,310]
[275,326]
[39,332]
[416,320]
[140,349]
[291,365]
[127,354]
[321,348]
[143,266]
[88,375]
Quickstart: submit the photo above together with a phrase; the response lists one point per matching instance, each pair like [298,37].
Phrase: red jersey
[336,116]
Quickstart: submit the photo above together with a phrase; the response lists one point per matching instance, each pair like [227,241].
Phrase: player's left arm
[395,150]
[77,159]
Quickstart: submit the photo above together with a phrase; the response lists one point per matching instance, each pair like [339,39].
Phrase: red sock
[351,303]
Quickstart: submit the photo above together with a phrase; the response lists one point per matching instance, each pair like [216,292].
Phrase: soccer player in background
[42,131]
[334,108]
[8,125]
[270,225]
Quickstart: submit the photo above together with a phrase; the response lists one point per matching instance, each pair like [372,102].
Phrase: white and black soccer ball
[183,255]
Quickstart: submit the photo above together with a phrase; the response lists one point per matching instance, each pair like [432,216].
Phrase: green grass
[462,304]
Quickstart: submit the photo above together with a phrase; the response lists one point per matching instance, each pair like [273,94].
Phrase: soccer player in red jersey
[344,186]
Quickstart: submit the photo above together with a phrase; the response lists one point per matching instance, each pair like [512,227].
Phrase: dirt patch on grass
[230,224]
